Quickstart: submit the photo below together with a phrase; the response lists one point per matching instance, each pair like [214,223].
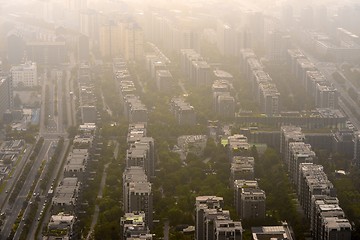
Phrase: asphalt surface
[51,133]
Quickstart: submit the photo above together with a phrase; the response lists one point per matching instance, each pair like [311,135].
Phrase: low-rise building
[66,195]
[24,75]
[76,162]
[272,232]
[60,226]
[133,225]
[228,229]
[192,144]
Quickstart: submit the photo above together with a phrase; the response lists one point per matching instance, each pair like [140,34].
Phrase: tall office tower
[6,95]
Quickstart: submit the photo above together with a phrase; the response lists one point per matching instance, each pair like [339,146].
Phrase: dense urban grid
[179,120]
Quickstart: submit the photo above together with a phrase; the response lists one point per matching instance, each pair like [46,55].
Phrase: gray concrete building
[225,106]
[133,225]
[164,80]
[66,195]
[76,163]
[299,152]
[202,203]
[269,98]
[241,168]
[137,193]
[184,113]
[272,232]
[252,203]
[326,96]
[6,95]
[239,185]
[228,229]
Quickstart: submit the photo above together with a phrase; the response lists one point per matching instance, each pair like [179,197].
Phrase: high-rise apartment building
[110,39]
[137,193]
[201,205]
[133,42]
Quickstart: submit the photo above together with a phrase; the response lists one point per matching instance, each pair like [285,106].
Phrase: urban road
[51,132]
